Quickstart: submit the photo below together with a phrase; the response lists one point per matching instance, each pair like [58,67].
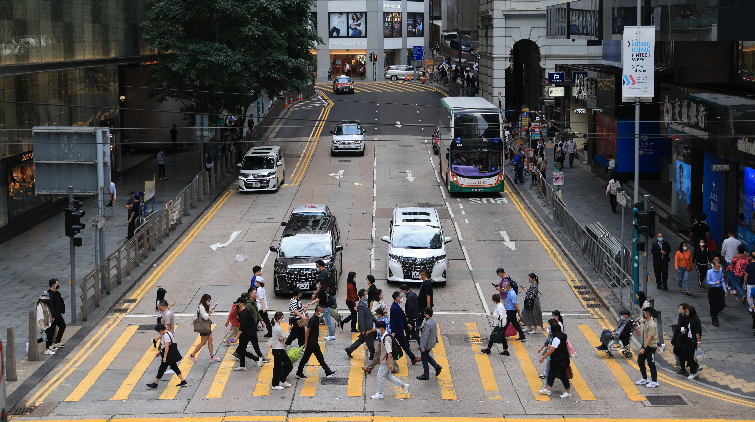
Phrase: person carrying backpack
[519,167]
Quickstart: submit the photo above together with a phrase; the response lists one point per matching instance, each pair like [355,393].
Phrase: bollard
[118,270]
[33,354]
[107,276]
[185,201]
[84,300]
[206,183]
[200,180]
[128,257]
[96,289]
[10,357]
[212,180]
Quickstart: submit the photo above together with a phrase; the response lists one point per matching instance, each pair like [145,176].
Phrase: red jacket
[351,293]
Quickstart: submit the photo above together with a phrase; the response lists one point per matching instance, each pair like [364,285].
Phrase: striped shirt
[294,305]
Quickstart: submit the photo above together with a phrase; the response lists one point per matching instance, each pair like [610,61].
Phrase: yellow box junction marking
[186,364]
[487,376]
[355,387]
[448,392]
[624,381]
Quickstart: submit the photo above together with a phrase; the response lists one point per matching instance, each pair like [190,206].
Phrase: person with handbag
[282,365]
[499,321]
[170,356]
[44,320]
[560,365]
[251,307]
[297,319]
[203,326]
[693,331]
[532,315]
[248,329]
[679,340]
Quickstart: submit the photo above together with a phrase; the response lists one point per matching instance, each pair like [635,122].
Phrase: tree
[220,54]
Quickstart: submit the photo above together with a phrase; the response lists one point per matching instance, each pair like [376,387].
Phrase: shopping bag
[699,355]
[294,353]
[511,331]
[497,335]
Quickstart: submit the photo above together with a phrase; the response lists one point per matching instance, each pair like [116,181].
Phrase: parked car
[348,136]
[398,71]
[343,83]
[262,169]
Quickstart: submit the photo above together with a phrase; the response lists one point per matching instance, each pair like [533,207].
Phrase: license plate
[415,274]
[302,286]
[255,184]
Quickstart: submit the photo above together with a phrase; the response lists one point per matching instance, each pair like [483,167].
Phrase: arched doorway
[524,76]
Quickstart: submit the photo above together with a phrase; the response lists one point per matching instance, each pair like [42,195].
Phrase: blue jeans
[329,323]
[683,275]
[427,360]
[736,283]
[571,159]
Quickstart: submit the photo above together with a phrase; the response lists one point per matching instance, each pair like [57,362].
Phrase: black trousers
[363,339]
[61,324]
[717,301]
[689,355]
[414,332]
[308,352]
[352,316]
[295,332]
[164,366]
[614,204]
[241,349]
[334,30]
[281,366]
[50,333]
[661,275]
[511,320]
[131,228]
[505,343]
[702,274]
[648,357]
[161,170]
[266,320]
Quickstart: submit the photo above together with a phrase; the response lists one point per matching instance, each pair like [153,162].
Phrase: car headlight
[242,178]
[440,258]
[393,257]
[336,142]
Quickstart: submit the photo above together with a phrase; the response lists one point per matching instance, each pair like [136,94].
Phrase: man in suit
[366,326]
[411,307]
[399,324]
[661,251]
[426,343]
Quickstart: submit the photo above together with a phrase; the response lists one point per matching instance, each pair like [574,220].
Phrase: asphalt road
[105,376]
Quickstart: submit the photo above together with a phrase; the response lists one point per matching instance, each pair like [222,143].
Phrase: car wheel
[332,153]
[394,78]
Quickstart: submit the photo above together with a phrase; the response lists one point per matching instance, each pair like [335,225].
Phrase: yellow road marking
[104,362]
[97,339]
[580,385]
[376,419]
[402,375]
[621,376]
[313,369]
[448,392]
[529,370]
[172,389]
[221,377]
[265,378]
[356,374]
[137,373]
[483,363]
[302,167]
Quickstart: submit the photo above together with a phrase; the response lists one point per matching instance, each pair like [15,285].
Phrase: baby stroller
[617,340]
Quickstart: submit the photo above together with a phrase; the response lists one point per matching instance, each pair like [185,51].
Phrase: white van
[399,71]
[262,169]
[416,242]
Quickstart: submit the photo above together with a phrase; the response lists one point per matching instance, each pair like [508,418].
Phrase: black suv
[306,239]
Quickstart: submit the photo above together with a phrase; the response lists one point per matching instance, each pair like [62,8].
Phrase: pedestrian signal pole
[73,226]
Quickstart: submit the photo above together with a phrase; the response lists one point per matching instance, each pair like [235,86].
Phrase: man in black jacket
[411,308]
[661,251]
[57,309]
[365,322]
[248,328]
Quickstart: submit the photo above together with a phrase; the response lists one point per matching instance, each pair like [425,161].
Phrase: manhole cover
[21,410]
[145,327]
[129,300]
[666,400]
[334,381]
[344,161]
[120,310]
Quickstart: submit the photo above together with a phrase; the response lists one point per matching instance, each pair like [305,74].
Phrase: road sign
[556,77]
[557,91]
[558,166]
[558,178]
[418,52]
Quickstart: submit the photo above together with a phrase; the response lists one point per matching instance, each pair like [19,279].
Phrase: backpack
[516,160]
[513,284]
[330,302]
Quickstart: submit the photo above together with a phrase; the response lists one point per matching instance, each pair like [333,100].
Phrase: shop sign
[638,76]
[557,91]
[359,43]
[580,111]
[392,6]
[27,156]
[746,145]
[720,167]
[686,116]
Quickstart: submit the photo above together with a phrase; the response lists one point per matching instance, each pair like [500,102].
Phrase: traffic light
[73,215]
[374,57]
[370,57]
[645,224]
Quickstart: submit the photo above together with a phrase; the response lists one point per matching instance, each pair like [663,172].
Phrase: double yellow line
[103,332]
[301,169]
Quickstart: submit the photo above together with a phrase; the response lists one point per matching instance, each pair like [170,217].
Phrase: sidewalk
[729,349]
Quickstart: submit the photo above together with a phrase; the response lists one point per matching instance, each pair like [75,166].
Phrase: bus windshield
[476,127]
[476,162]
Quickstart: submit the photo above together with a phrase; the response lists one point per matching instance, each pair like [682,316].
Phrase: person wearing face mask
[716,291]
[661,251]
[701,259]
[683,264]
[749,281]
[312,347]
[678,339]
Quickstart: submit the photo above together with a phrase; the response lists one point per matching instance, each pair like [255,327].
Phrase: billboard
[713,196]
[391,24]
[347,25]
[683,184]
[415,24]
[638,75]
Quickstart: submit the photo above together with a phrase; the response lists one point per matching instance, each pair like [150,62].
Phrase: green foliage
[220,54]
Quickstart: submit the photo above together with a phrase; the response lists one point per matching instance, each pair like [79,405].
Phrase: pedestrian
[532,314]
[546,346]
[365,323]
[649,338]
[371,290]
[281,363]
[57,309]
[500,272]
[512,310]
[693,331]
[571,149]
[700,230]
[386,361]
[661,251]
[170,357]
[378,303]
[351,302]
[131,211]
[425,296]
[559,362]
[323,298]
[611,168]
[519,167]
[113,194]
[312,347]
[499,320]
[717,291]
[411,308]
[204,311]
[399,323]
[248,329]
[678,338]
[256,276]
[428,340]
[751,299]
[701,257]
[251,306]
[612,189]
[375,361]
[560,154]
[749,277]
[736,270]
[44,320]
[161,292]
[161,165]
[262,306]
[729,249]
[233,333]
[297,319]
[683,265]
[174,138]
[209,164]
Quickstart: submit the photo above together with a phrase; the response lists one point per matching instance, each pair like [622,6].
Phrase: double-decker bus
[471,145]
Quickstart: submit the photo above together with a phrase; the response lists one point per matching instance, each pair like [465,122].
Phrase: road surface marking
[102,364]
[409,176]
[315,140]
[482,299]
[506,242]
[448,392]
[618,372]
[264,261]
[355,387]
[221,376]
[265,378]
[466,257]
[372,258]
[580,385]
[458,232]
[313,369]
[483,363]
[338,175]
[466,220]
[306,146]
[172,389]
[529,370]
[135,375]
[451,213]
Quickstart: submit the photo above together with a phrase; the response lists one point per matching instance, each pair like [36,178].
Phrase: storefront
[354,58]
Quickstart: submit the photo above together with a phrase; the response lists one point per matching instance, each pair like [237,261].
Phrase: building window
[415,24]
[391,24]
[747,61]
[347,25]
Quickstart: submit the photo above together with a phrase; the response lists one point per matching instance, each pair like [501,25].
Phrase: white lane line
[482,299]
[462,213]
[458,232]
[458,200]
[374,153]
[265,260]
[460,206]
[466,221]
[431,160]
[440,185]
[466,257]
[372,258]
[374,190]
[373,231]
[374,175]
[451,213]
[374,207]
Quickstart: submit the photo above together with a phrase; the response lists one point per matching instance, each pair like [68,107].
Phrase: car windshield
[307,245]
[476,161]
[343,80]
[257,162]
[348,130]
[417,237]
[474,126]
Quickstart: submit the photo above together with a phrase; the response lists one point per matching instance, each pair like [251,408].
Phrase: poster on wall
[415,26]
[583,22]
[683,184]
[746,230]
[391,24]
[713,196]
[637,53]
[622,17]
[347,25]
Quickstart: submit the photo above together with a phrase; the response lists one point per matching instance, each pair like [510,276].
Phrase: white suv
[348,136]
[262,169]
[399,71]
[416,242]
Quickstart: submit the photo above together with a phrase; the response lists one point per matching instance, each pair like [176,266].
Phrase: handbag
[511,330]
[497,335]
[699,355]
[202,326]
[173,354]
[529,302]
[569,372]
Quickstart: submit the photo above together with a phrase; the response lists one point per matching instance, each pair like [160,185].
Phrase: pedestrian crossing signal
[73,214]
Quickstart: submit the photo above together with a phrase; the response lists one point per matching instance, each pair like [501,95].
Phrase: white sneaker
[240,368]
[651,384]
[565,395]
[642,382]
[692,376]
[259,363]
[169,372]
[661,348]
[545,392]
[49,352]
[330,338]
[377,396]
[276,387]
[286,384]
[406,389]
[542,389]
[531,332]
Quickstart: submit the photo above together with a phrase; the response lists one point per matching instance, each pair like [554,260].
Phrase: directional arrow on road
[409,176]
[398,123]
[507,242]
[337,175]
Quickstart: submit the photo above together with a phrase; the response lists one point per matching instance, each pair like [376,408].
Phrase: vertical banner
[713,197]
[637,52]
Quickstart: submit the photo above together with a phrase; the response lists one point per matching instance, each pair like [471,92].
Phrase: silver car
[399,71]
[348,136]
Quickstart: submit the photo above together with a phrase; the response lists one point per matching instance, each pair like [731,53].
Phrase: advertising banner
[391,24]
[415,26]
[713,197]
[347,25]
[683,182]
[638,76]
[746,231]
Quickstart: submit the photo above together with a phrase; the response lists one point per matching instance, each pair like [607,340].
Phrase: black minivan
[306,239]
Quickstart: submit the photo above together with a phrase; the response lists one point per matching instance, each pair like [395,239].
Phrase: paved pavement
[730,360]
